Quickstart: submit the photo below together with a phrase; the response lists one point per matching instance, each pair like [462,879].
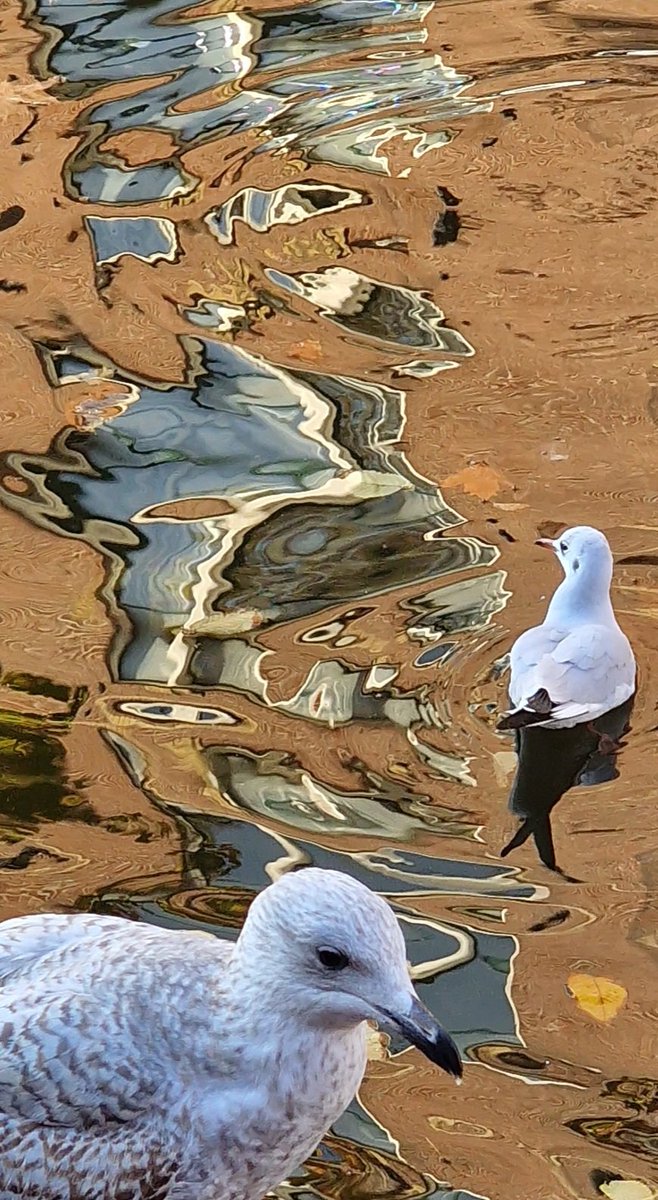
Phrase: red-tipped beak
[546,544]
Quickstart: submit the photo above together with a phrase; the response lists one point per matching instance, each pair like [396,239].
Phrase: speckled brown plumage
[141,1064]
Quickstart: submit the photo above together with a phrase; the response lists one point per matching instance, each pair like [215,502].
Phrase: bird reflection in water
[550,762]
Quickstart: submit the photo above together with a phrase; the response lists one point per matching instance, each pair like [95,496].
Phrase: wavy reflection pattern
[231,857]
[248,71]
[319,504]
[250,494]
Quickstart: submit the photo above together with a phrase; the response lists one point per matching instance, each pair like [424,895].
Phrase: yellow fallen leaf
[627,1189]
[598,997]
[479,480]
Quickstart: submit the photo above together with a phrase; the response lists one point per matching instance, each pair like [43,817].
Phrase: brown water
[264,551]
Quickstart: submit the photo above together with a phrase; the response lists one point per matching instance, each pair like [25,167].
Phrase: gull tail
[539,709]
[520,718]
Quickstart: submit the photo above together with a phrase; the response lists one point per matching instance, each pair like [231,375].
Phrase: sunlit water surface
[315,315]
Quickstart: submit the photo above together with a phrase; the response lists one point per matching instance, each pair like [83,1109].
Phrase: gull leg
[522,834]
[607,744]
[542,833]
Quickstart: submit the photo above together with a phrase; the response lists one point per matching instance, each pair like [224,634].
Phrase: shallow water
[315,315]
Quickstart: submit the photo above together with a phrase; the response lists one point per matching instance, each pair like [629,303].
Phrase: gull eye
[333,960]
[563,547]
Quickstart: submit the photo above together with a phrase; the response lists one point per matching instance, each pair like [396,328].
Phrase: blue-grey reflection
[275,787]
[147,238]
[360,1146]
[317,504]
[374,309]
[388,88]
[288,205]
[469,604]
[331,694]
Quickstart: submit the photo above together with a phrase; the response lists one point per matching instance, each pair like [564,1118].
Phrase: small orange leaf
[310,351]
[598,997]
[479,480]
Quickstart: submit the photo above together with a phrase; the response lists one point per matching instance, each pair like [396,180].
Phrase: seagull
[577,665]
[152,1064]
[572,687]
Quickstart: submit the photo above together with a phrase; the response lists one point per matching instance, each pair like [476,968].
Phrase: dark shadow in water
[550,761]
[34,785]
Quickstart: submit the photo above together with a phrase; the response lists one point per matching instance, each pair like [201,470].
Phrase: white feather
[578,655]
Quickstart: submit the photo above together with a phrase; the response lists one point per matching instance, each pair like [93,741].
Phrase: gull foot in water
[563,875]
[607,744]
[540,830]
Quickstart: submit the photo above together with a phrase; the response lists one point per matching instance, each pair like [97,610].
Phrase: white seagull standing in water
[577,665]
[141,1063]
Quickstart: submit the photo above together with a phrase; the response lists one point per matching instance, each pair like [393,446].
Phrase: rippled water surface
[314,315]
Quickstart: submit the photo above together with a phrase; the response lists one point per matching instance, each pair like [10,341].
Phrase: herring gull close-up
[148,1064]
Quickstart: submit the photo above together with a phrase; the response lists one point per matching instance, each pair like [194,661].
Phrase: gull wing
[93,1014]
[586,673]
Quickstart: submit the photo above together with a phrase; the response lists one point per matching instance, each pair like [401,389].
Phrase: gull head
[331,954]
[583,553]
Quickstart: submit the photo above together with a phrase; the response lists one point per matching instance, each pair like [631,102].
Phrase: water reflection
[144,238]
[225,73]
[470,604]
[373,1163]
[290,205]
[34,785]
[300,622]
[275,787]
[374,309]
[268,447]
[229,856]
[230,860]
[550,761]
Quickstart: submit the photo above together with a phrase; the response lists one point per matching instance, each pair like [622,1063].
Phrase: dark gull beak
[546,544]
[422,1029]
